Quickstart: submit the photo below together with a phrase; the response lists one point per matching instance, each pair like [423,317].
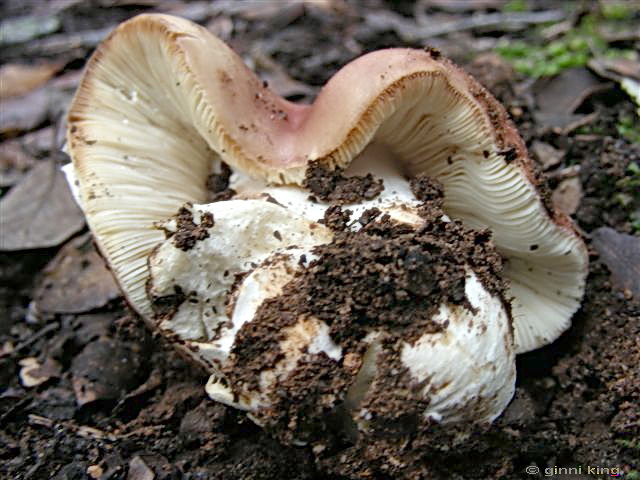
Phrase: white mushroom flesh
[469,363]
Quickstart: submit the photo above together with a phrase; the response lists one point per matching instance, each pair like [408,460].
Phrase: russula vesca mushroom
[163,103]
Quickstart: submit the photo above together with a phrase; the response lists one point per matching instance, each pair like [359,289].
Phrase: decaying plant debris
[576,401]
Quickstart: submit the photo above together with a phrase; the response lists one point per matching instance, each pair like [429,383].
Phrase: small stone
[95,471]
[139,470]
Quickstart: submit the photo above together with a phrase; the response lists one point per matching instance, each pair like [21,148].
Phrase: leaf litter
[39,211]
[111,403]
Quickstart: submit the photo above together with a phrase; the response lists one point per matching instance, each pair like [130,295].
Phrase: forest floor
[86,391]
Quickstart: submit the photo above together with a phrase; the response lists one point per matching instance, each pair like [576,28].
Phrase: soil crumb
[336,218]
[427,189]
[218,184]
[333,187]
[188,232]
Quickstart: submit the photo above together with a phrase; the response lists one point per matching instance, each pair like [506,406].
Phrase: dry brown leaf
[32,373]
[39,211]
[462,5]
[546,155]
[278,79]
[42,142]
[14,163]
[139,470]
[106,369]
[615,68]
[566,198]
[18,79]
[76,280]
[24,113]
[559,97]
[95,471]
[621,253]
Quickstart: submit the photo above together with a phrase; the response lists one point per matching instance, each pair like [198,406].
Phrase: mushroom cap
[162,100]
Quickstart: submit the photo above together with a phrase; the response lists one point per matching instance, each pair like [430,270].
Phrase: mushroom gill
[163,101]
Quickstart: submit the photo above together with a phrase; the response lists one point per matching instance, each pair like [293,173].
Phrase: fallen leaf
[621,253]
[91,326]
[106,369]
[433,26]
[546,155]
[24,113]
[463,5]
[67,81]
[43,141]
[95,471]
[567,196]
[76,280]
[633,89]
[14,163]
[562,173]
[575,122]
[33,373]
[278,79]
[6,348]
[558,98]
[56,402]
[615,68]
[222,27]
[139,470]
[22,29]
[39,211]
[492,71]
[18,79]
[68,44]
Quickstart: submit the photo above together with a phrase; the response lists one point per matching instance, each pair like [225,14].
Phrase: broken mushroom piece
[392,318]
[163,103]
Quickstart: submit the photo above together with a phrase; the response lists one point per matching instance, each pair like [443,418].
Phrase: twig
[36,336]
[494,20]
[18,405]
[410,31]
[563,173]
[80,430]
[58,44]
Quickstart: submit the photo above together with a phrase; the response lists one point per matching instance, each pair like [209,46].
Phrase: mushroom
[163,104]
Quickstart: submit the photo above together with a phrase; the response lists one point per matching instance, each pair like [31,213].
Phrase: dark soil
[333,187]
[95,395]
[386,276]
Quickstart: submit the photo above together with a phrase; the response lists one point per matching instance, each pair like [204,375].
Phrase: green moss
[630,444]
[635,221]
[629,128]
[633,475]
[515,6]
[628,194]
[574,49]
[618,10]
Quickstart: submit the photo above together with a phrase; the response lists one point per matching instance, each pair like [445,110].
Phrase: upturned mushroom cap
[162,100]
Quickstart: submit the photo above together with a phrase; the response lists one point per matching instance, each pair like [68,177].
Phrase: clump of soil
[333,187]
[388,277]
[611,193]
[218,184]
[338,219]
[188,232]
[427,189]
